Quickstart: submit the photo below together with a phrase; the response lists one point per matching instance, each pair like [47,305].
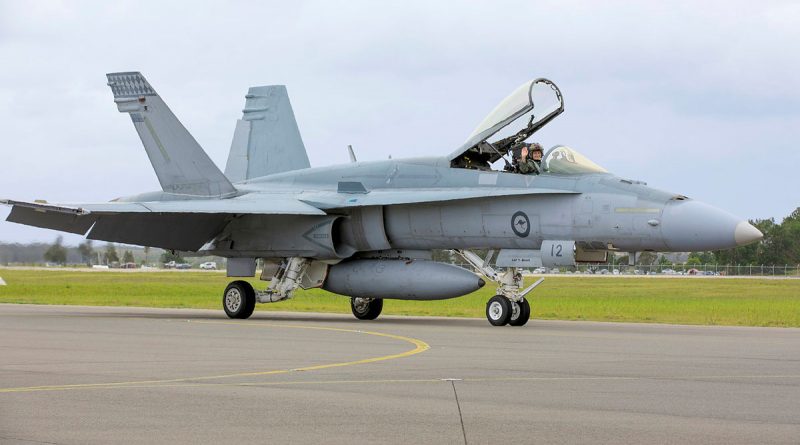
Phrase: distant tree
[664,261]
[780,245]
[170,255]
[111,254]
[791,231]
[87,252]
[56,253]
[127,257]
[646,258]
[693,261]
[696,258]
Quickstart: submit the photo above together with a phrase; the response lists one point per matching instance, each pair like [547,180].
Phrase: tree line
[57,254]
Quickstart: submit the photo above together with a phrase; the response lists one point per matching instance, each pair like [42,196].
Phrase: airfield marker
[2,283]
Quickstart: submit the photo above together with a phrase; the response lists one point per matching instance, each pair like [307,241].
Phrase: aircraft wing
[335,200]
[180,225]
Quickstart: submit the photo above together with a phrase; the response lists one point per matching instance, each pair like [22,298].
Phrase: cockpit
[498,142]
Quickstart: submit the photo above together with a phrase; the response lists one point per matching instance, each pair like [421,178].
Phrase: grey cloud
[680,94]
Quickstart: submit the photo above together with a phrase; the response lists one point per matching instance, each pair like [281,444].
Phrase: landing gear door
[558,253]
[522,258]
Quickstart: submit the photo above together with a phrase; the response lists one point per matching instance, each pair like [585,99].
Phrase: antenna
[351,153]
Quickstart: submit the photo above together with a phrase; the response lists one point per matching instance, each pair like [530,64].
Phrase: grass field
[740,302]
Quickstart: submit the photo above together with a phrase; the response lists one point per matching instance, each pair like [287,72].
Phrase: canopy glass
[531,106]
[566,161]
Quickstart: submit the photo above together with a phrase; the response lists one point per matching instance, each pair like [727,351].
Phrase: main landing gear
[239,299]
[509,306]
[366,308]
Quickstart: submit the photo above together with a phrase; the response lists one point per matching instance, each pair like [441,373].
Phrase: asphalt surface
[78,375]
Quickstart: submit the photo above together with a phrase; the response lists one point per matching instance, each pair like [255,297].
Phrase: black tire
[366,310]
[523,314]
[239,300]
[498,310]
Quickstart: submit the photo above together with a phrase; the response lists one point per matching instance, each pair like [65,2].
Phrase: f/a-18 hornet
[366,229]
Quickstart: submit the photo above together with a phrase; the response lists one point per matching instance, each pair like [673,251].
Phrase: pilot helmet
[535,147]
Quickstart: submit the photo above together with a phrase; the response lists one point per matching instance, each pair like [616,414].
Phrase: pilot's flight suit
[529,166]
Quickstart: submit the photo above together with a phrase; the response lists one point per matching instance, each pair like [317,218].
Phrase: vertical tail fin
[180,163]
[266,140]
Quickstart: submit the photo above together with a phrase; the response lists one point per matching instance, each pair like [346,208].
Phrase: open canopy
[531,106]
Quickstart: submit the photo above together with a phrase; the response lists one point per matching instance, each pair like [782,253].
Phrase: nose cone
[745,234]
[694,226]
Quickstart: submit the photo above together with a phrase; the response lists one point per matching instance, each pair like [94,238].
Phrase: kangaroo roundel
[521,224]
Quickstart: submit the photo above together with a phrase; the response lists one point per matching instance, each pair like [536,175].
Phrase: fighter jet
[366,230]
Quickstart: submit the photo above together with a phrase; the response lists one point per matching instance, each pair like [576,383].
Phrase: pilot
[530,164]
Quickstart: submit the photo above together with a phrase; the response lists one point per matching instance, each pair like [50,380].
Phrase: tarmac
[82,375]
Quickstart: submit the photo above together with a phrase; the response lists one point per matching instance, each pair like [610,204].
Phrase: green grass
[741,302]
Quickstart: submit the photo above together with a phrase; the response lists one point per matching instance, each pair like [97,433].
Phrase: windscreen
[566,161]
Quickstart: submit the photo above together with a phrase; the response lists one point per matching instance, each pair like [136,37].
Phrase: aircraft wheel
[498,310]
[239,300]
[520,313]
[366,308]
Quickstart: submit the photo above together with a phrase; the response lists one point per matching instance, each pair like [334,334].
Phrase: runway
[75,375]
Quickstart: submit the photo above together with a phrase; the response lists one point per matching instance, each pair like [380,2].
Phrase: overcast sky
[698,98]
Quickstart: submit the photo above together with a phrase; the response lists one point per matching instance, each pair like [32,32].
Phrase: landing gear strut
[509,306]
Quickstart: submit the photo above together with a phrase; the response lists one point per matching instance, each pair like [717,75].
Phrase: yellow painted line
[419,346]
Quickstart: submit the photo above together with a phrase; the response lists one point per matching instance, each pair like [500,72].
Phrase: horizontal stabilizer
[180,163]
[182,225]
[65,219]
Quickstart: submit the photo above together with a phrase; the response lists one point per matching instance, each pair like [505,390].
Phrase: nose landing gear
[509,306]
[520,313]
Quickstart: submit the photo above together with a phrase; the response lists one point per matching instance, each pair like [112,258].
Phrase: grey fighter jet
[366,229]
